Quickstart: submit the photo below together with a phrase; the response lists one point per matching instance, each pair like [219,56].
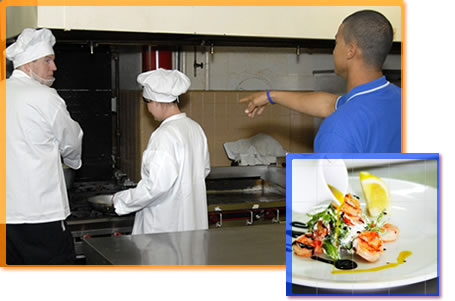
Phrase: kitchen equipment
[85,83]
[86,220]
[102,202]
[236,196]
[258,245]
[245,196]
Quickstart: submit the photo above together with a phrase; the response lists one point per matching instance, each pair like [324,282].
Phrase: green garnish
[377,224]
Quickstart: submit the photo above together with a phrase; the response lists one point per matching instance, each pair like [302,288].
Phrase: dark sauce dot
[345,264]
[342,264]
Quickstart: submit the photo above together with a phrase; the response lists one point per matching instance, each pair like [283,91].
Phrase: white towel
[258,150]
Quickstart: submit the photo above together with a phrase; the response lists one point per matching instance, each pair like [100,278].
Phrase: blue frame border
[293,156]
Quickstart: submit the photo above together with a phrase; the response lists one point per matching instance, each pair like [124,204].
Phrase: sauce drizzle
[302,245]
[339,196]
[296,234]
[342,264]
[400,260]
[299,225]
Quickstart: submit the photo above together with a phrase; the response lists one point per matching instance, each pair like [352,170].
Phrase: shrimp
[351,210]
[321,231]
[307,245]
[390,233]
[368,245]
[304,245]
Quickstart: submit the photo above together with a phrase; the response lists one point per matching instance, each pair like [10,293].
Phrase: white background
[430,83]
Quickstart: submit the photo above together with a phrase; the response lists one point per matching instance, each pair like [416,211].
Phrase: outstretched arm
[318,104]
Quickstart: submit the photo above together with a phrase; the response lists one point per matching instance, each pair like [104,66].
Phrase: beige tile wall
[223,119]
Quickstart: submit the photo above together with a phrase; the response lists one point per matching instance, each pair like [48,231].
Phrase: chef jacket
[39,134]
[171,196]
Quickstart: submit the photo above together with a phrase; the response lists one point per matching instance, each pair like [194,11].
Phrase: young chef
[171,196]
[39,135]
[368,117]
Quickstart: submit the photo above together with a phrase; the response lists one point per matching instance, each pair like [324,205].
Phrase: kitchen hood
[301,26]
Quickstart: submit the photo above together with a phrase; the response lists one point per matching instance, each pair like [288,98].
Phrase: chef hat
[163,85]
[31,45]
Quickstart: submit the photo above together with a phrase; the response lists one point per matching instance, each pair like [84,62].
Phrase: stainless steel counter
[252,245]
[272,174]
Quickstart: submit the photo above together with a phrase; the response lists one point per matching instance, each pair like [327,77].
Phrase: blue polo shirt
[366,120]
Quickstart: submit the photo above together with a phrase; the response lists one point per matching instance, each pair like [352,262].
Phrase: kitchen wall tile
[223,119]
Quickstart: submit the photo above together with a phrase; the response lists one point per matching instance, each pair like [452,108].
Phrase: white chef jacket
[171,195]
[39,134]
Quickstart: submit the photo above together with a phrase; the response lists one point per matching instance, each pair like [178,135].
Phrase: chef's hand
[256,103]
[112,202]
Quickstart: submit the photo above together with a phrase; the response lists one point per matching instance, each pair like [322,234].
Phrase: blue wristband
[270,98]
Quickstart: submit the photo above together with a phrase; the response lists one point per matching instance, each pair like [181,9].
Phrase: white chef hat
[163,85]
[31,45]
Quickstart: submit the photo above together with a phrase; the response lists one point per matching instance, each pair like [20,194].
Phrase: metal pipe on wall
[116,91]
[154,58]
[184,62]
[207,71]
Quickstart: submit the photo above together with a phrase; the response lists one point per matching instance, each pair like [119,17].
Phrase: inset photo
[362,224]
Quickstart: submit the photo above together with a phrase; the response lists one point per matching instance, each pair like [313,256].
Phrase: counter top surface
[247,245]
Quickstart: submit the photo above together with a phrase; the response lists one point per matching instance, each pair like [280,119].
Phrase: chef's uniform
[39,135]
[171,196]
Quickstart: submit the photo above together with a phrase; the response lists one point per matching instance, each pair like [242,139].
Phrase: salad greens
[339,241]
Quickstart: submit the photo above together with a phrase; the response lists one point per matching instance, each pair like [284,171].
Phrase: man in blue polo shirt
[368,117]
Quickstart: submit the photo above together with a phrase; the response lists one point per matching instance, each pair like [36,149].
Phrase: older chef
[39,135]
[171,196]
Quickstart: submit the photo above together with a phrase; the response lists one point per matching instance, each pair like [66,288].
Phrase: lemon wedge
[376,194]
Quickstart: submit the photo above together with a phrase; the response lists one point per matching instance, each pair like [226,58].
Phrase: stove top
[81,191]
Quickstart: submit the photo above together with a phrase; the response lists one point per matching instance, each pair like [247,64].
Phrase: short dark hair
[373,34]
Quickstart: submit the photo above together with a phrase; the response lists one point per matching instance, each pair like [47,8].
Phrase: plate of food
[368,242]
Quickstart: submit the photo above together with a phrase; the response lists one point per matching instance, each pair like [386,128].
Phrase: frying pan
[102,202]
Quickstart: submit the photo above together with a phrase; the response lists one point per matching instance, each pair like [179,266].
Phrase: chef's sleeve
[68,134]
[48,122]
[158,177]
[207,162]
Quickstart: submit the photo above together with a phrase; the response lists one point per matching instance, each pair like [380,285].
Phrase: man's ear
[25,68]
[352,50]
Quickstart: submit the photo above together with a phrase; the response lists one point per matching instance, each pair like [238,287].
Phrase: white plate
[414,211]
[356,163]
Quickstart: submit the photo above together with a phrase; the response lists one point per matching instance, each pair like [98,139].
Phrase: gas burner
[85,213]
[104,187]
[81,191]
